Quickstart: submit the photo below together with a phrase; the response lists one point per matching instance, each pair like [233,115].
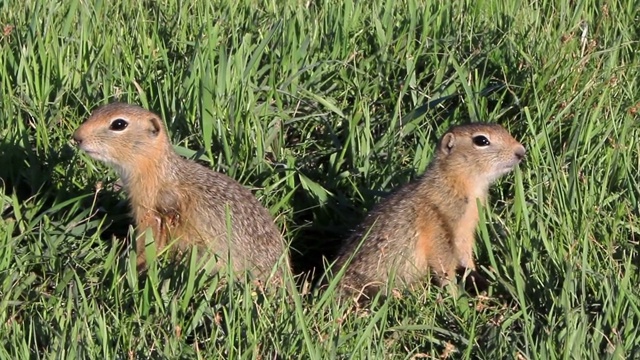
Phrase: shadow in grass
[21,170]
[40,184]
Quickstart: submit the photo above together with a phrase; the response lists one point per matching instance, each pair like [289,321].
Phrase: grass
[321,107]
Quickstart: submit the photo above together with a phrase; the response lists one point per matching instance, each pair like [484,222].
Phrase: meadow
[321,108]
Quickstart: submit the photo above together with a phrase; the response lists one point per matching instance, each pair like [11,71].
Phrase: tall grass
[321,108]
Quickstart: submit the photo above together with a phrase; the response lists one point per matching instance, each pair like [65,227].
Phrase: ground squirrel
[430,224]
[179,199]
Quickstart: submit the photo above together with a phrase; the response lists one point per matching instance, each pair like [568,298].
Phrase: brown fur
[430,224]
[181,201]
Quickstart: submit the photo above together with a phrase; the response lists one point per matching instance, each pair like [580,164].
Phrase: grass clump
[321,108]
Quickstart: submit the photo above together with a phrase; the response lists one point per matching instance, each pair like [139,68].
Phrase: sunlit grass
[321,108]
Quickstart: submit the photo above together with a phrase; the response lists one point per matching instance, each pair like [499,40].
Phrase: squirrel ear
[447,143]
[156,126]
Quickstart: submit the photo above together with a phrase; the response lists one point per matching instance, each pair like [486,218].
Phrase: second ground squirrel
[178,199]
[429,224]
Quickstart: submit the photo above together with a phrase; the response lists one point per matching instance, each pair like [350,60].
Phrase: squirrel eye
[118,125]
[481,140]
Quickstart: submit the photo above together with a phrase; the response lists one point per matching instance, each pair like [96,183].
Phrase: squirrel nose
[520,152]
[77,138]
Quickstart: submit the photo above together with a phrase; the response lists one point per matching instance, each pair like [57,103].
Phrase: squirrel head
[124,136]
[480,152]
